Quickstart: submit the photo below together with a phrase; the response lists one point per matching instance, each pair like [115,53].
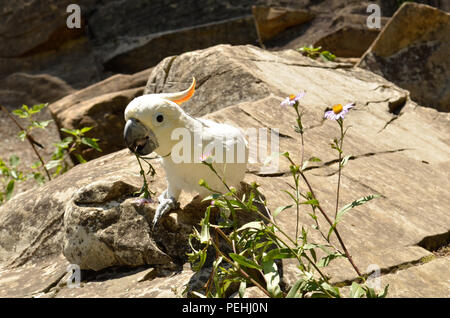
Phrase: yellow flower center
[337,108]
[291,97]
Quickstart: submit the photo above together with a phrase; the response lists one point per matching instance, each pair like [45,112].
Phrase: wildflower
[142,201]
[206,158]
[292,99]
[338,111]
[213,203]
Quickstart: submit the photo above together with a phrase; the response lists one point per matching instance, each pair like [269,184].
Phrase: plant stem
[275,225]
[349,257]
[242,272]
[30,140]
[341,124]
[297,203]
[347,254]
[142,172]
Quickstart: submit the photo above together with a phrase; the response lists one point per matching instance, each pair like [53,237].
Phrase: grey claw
[165,206]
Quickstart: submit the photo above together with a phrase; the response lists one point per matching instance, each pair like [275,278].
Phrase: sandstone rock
[113,37]
[37,40]
[339,26]
[115,83]
[146,51]
[74,63]
[21,88]
[33,279]
[421,280]
[29,27]
[348,41]
[270,21]
[412,52]
[31,222]
[103,230]
[128,284]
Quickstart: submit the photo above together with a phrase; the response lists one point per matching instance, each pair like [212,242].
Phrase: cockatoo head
[150,120]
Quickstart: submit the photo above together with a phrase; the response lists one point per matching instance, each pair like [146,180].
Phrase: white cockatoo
[156,122]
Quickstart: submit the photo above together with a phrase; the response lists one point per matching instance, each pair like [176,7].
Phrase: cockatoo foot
[165,205]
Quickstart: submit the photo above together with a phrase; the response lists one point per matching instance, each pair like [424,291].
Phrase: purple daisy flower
[206,158]
[142,201]
[292,99]
[338,111]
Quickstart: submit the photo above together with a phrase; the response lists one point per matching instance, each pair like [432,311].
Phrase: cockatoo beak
[138,138]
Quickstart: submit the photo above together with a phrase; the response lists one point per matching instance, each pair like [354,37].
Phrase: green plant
[145,193]
[10,175]
[314,53]
[254,249]
[68,145]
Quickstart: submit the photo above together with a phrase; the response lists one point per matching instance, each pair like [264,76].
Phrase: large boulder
[270,21]
[23,88]
[136,54]
[37,40]
[337,26]
[400,150]
[113,38]
[412,52]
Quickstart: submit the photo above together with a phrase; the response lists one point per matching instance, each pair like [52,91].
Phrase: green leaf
[272,278]
[91,142]
[242,288]
[356,291]
[80,158]
[42,124]
[280,209]
[199,295]
[384,293]
[52,164]
[14,161]
[278,253]
[312,202]
[257,225]
[324,261]
[290,194]
[370,292]
[85,129]
[37,108]
[9,189]
[39,178]
[65,143]
[20,113]
[212,196]
[334,291]
[243,261]
[312,159]
[14,174]
[355,203]
[22,135]
[204,234]
[74,132]
[293,292]
[36,165]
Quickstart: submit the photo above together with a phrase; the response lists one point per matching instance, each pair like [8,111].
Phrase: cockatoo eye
[158,119]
